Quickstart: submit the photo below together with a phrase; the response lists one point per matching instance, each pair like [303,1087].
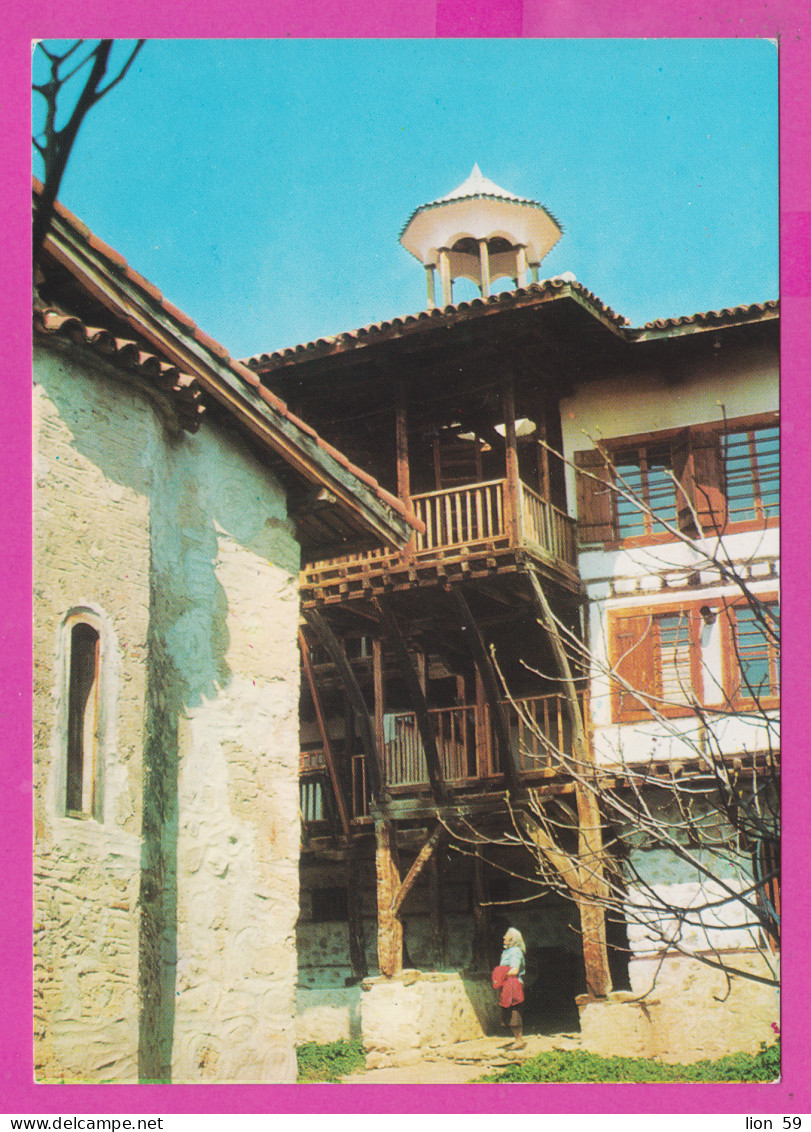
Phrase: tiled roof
[167,378]
[725,317]
[525,297]
[54,322]
[535,294]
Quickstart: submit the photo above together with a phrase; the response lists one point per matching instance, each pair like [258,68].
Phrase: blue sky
[262,184]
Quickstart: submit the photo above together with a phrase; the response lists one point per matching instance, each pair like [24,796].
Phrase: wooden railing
[455,734]
[461,516]
[547,526]
[539,728]
[473,515]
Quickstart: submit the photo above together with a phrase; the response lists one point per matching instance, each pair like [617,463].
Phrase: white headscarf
[513,938]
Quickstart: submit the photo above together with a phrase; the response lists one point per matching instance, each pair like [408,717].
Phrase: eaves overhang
[181,345]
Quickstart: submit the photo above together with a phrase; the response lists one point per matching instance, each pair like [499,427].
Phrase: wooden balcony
[461,524]
[539,728]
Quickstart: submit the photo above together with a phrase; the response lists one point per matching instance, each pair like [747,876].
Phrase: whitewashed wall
[182,547]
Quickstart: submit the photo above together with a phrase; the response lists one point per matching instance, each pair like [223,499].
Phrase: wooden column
[389,928]
[484,758]
[423,857]
[379,697]
[513,508]
[403,468]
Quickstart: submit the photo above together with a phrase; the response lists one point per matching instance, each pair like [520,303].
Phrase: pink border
[783,19]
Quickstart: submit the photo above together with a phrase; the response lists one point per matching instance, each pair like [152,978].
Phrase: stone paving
[461,1063]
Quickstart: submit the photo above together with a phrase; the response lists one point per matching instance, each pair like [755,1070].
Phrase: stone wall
[328,1014]
[689,1013]
[91,555]
[165,923]
[403,1017]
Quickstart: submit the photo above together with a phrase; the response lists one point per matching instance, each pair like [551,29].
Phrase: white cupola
[480,232]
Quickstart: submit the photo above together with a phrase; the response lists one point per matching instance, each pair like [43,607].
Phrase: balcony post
[513,508]
[379,695]
[484,766]
[403,468]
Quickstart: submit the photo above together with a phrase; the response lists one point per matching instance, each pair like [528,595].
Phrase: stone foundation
[327,1014]
[693,1013]
[404,1016]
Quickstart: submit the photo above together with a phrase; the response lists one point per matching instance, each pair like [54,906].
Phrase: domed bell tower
[481,232]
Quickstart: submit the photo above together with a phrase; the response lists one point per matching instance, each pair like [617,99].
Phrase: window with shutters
[656,656]
[706,479]
[751,647]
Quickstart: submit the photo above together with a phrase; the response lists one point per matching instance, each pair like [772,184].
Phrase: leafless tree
[79,76]
[715,811]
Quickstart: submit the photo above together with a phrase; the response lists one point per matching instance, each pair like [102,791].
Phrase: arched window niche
[83,716]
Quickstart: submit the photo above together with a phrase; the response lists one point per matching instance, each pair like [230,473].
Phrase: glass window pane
[756,653]
[630,520]
[752,464]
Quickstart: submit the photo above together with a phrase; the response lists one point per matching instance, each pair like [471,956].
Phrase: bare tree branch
[54,144]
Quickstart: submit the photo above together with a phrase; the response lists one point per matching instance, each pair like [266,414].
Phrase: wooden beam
[374,763]
[484,756]
[337,789]
[403,470]
[378,692]
[420,862]
[416,693]
[498,715]
[513,502]
[389,927]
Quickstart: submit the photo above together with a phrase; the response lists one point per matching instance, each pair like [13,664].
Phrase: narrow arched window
[83,721]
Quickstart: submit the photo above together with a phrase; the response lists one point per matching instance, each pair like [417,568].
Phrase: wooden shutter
[595,498]
[633,641]
[682,458]
[708,480]
[699,467]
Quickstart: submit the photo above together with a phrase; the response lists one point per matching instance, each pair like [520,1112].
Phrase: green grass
[328,1062]
[577,1066]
